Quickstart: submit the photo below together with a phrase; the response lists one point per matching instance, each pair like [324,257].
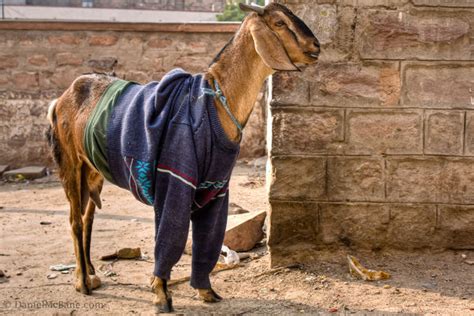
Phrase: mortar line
[464,139]
[289,106]
[353,202]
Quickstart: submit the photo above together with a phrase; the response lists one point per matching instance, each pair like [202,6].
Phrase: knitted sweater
[163,141]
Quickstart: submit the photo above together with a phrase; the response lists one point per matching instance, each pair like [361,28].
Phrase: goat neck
[240,73]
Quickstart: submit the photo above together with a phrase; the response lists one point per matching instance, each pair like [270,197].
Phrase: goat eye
[279,23]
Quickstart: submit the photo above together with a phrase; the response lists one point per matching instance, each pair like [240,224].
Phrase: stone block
[307,130]
[392,4]
[411,226]
[417,34]
[160,42]
[25,80]
[469,133]
[30,173]
[363,226]
[438,85]
[298,178]
[103,64]
[444,3]
[244,231]
[320,18]
[355,179]
[444,132]
[290,88]
[38,60]
[431,180]
[65,38]
[63,59]
[193,63]
[102,40]
[384,132]
[8,61]
[375,84]
[456,226]
[293,222]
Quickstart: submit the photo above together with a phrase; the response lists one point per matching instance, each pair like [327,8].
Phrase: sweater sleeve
[173,197]
[209,224]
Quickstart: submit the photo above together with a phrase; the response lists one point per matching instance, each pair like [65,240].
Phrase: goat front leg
[208,234]
[162,300]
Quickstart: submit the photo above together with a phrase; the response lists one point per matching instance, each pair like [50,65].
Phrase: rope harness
[220,95]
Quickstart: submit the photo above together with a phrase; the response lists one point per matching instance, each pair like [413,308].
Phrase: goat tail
[51,135]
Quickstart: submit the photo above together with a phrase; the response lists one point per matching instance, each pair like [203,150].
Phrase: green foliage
[232,11]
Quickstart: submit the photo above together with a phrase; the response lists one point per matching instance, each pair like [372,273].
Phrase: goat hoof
[95,282]
[209,296]
[164,308]
[163,301]
[84,287]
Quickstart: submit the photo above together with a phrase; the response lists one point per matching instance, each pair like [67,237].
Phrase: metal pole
[3,9]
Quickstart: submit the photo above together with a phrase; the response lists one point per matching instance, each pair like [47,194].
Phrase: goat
[270,39]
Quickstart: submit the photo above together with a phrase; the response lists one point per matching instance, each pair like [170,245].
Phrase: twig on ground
[215,271]
[275,270]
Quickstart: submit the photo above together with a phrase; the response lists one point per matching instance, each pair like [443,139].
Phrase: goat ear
[252,8]
[270,48]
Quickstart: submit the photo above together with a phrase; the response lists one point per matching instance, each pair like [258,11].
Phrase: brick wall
[374,147]
[38,61]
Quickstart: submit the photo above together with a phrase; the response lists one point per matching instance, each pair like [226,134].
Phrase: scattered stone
[30,173]
[3,168]
[134,220]
[235,209]
[464,256]
[65,272]
[62,267]
[469,262]
[244,231]
[45,223]
[386,286]
[124,253]
[333,310]
[52,276]
[2,274]
[19,273]
[243,255]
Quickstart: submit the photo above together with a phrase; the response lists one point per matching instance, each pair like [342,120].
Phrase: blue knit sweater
[165,144]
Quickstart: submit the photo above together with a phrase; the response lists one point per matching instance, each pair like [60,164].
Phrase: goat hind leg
[88,220]
[72,183]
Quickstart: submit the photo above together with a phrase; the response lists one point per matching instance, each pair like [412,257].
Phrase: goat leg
[209,295]
[162,300]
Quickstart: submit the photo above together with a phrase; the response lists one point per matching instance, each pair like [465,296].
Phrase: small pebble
[52,276]
[386,286]
[463,256]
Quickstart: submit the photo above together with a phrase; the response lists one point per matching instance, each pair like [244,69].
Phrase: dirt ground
[422,283]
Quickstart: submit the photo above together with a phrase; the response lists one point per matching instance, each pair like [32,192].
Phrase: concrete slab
[30,173]
[3,168]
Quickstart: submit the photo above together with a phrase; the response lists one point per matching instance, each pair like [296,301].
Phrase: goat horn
[252,7]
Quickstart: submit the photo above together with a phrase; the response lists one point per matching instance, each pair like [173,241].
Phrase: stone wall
[186,5]
[38,61]
[374,147]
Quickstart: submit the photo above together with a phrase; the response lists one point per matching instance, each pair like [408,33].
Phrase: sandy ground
[422,283]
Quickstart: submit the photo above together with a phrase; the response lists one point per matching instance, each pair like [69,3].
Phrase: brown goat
[270,39]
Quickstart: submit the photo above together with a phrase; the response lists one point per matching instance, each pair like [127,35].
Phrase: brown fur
[241,70]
